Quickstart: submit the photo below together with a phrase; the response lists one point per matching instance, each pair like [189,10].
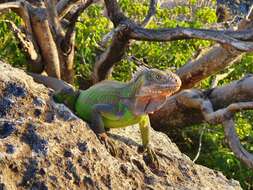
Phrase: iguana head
[154,82]
[152,88]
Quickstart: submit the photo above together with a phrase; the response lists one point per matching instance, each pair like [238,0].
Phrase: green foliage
[160,54]
[9,47]
[206,15]
[91,29]
[215,153]
[241,69]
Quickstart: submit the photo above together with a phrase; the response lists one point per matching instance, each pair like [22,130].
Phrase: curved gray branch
[194,99]
[22,8]
[171,34]
[114,13]
[235,145]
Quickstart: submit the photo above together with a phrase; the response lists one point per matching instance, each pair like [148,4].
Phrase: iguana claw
[151,158]
[109,144]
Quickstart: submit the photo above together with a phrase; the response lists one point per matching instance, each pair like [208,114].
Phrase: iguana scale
[113,104]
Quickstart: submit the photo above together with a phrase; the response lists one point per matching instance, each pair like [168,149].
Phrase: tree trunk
[49,46]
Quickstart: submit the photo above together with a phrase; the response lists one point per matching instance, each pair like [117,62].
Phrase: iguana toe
[109,144]
[151,158]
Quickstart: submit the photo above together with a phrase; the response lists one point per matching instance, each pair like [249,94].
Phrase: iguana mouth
[169,85]
[145,109]
[165,89]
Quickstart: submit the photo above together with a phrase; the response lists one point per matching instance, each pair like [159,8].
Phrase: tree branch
[151,13]
[72,22]
[12,5]
[112,55]
[120,41]
[235,145]
[138,33]
[181,111]
[172,34]
[54,20]
[120,38]
[191,73]
[220,77]
[225,116]
[27,46]
[27,40]
[106,38]
[114,13]
[145,22]
[64,6]
[22,8]
[217,58]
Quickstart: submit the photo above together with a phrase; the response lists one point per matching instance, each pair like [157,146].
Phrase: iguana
[113,104]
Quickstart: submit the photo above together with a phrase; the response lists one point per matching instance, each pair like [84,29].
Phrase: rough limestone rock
[44,146]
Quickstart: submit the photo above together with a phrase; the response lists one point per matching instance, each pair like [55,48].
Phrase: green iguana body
[112,104]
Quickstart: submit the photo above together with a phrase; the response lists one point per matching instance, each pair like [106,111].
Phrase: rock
[55,151]
[236,7]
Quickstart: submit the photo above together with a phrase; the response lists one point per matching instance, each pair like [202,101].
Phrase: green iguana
[113,104]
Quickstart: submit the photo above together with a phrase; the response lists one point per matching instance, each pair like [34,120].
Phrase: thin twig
[26,43]
[200,143]
[220,77]
[137,61]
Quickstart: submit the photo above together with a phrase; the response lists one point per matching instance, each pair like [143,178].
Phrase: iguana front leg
[97,124]
[144,125]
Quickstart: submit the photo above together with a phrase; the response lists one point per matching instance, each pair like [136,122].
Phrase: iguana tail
[51,82]
[64,92]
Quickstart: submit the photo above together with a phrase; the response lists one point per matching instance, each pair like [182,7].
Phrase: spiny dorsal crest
[140,70]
